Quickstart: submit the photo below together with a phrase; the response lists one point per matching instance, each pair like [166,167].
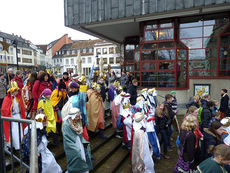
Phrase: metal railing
[33,167]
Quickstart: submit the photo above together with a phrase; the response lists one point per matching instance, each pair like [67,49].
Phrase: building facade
[168,44]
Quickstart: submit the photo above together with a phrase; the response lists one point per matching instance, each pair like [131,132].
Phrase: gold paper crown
[49,72]
[139,98]
[41,118]
[96,86]
[81,79]
[145,89]
[126,106]
[122,94]
[13,87]
[120,88]
[138,116]
[116,83]
[151,90]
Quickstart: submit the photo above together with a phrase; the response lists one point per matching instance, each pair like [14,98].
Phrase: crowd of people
[71,109]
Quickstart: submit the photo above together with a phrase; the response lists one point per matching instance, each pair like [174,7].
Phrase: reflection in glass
[183,65]
[202,66]
[225,40]
[150,46]
[166,54]
[196,54]
[208,31]
[191,24]
[193,43]
[151,35]
[151,27]
[209,22]
[166,45]
[224,61]
[210,42]
[166,65]
[149,55]
[166,79]
[149,79]
[182,54]
[129,68]
[165,34]
[191,32]
[149,66]
[137,56]
[165,25]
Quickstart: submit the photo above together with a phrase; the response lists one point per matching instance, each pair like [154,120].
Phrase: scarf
[76,126]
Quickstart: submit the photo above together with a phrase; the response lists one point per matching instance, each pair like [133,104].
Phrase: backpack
[199,114]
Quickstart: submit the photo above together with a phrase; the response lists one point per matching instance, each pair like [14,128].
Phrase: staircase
[108,154]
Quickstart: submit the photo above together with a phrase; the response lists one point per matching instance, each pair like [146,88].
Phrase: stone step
[125,166]
[105,151]
[112,163]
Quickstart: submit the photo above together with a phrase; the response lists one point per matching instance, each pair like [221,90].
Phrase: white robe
[49,164]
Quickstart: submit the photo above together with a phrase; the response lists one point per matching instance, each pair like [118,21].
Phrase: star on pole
[5,45]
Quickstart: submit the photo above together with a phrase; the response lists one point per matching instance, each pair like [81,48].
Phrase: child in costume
[95,111]
[45,107]
[77,149]
[142,161]
[12,106]
[46,160]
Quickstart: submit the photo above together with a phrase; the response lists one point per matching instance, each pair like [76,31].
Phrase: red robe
[7,112]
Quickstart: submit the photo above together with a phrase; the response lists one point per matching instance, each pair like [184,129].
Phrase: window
[86,71]
[19,59]
[171,52]
[26,60]
[84,50]
[118,60]
[67,61]
[89,60]
[74,51]
[90,50]
[83,60]
[68,52]
[54,61]
[98,51]
[57,60]
[26,52]
[98,61]
[104,50]
[117,50]
[111,50]
[60,60]
[111,60]
[105,61]
[18,51]
[11,50]
[1,39]
[1,47]
[72,61]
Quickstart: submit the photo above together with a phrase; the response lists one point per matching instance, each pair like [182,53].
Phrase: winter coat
[3,86]
[192,103]
[170,111]
[224,103]
[174,104]
[37,90]
[189,145]
[103,91]
[112,79]
[132,90]
[206,116]
[161,122]
[124,80]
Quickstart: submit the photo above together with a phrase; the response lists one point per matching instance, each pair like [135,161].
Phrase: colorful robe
[76,162]
[94,109]
[27,96]
[55,98]
[45,107]
[7,112]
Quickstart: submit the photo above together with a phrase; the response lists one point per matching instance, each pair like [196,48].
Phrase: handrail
[33,138]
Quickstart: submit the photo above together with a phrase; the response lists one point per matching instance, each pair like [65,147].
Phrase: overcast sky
[40,21]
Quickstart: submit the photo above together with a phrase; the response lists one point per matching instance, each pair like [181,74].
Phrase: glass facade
[168,53]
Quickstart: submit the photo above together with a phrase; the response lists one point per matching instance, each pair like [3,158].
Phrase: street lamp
[15,44]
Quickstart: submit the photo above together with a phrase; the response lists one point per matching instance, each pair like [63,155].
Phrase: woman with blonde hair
[187,145]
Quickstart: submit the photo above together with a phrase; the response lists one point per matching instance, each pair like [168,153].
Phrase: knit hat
[173,92]
[66,73]
[74,85]
[61,85]
[46,92]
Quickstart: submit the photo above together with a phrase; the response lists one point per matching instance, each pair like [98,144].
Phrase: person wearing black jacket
[188,140]
[206,115]
[162,126]
[224,110]
[133,91]
[171,113]
[103,89]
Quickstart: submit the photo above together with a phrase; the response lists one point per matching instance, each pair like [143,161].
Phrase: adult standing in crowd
[9,76]
[132,90]
[3,86]
[224,102]
[112,78]
[66,79]
[27,96]
[42,83]
[124,81]
[18,78]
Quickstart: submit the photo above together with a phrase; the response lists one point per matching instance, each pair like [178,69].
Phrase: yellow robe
[47,109]
[55,99]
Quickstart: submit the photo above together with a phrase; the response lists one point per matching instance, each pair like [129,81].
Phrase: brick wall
[62,41]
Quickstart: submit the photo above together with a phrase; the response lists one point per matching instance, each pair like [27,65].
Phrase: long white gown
[49,164]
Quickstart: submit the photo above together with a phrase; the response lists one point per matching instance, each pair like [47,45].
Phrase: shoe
[101,134]
[118,136]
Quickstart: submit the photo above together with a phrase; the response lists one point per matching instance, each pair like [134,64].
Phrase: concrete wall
[183,95]
[90,11]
